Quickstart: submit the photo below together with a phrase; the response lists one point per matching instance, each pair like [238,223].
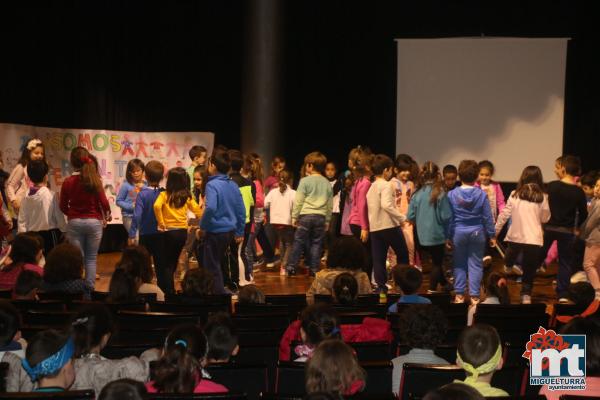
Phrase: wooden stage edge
[270,282]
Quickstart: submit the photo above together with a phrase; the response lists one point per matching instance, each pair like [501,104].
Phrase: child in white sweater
[385,220]
[528,209]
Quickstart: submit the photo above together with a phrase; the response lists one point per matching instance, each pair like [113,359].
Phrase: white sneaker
[507,270]
[525,299]
[541,269]
[563,300]
[517,270]
[459,298]
[282,271]
[270,265]
[418,267]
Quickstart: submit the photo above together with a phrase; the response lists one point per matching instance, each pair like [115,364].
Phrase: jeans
[530,260]
[437,260]
[213,251]
[86,233]
[127,223]
[285,235]
[380,242]
[565,243]
[311,231]
[469,247]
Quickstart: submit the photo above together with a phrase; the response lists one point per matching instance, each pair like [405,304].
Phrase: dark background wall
[178,65]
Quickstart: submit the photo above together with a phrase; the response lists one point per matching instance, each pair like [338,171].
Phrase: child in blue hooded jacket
[224,216]
[471,224]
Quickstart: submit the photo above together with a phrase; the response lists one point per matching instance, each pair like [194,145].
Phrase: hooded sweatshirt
[41,212]
[224,208]
[470,211]
[590,230]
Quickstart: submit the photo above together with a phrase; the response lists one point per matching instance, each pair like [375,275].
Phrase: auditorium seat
[290,378]
[252,308]
[445,351]
[5,293]
[69,395]
[366,351]
[143,297]
[358,396]
[514,322]
[47,318]
[418,379]
[115,350]
[436,298]
[249,378]
[39,305]
[559,309]
[62,296]
[361,299]
[204,304]
[140,320]
[294,302]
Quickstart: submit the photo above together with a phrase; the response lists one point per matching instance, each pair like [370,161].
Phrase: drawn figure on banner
[141,147]
[156,149]
[127,146]
[172,148]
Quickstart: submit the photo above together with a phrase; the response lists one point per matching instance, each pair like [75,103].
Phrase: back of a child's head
[333,368]
[423,326]
[380,163]
[136,260]
[237,160]
[123,389]
[345,289]
[221,160]
[37,170]
[197,282]
[44,345]
[497,286]
[123,286]
[468,171]
[320,322]
[222,337]
[251,294]
[90,326]
[27,282]
[196,151]
[478,344]
[184,350]
[588,179]
[10,322]
[24,250]
[590,327]
[347,252]
[178,187]
[317,160]
[360,159]
[83,161]
[63,263]
[154,171]
[581,293]
[454,391]
[407,278]
[132,165]
[531,185]
[571,164]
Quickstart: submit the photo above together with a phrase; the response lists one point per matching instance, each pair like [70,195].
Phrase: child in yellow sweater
[171,210]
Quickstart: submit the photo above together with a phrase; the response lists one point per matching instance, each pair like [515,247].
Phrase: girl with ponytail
[83,201]
[179,370]
[430,211]
[318,322]
[91,329]
[280,203]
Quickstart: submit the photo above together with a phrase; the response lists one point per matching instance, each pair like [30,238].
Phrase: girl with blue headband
[48,361]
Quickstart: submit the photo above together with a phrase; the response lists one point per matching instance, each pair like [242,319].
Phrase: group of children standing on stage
[221,206]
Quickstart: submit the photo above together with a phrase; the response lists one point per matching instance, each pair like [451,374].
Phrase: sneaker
[418,267]
[517,270]
[432,291]
[291,272]
[487,261]
[541,269]
[270,265]
[459,298]
[257,263]
[525,299]
[282,271]
[563,300]
[507,270]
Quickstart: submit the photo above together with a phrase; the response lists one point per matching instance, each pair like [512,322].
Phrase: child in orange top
[170,209]
[405,188]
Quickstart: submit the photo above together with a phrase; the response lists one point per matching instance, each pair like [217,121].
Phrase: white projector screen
[500,99]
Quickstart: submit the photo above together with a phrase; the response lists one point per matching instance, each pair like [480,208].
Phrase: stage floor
[272,283]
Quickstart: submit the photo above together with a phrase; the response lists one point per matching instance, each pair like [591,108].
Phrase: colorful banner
[113,149]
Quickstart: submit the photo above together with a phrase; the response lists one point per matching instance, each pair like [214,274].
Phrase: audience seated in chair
[197,283]
[49,361]
[136,261]
[91,328]
[347,255]
[25,254]
[409,280]
[454,391]
[222,339]
[123,389]
[480,355]
[333,368]
[27,286]
[12,348]
[64,271]
[496,292]
[251,294]
[422,328]
[179,370]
